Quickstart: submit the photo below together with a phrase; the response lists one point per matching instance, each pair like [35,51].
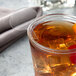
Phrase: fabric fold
[16,18]
[14,25]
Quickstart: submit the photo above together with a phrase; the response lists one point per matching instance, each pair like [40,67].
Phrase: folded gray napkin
[13,26]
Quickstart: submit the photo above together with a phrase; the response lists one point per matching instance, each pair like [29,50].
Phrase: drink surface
[55,34]
[60,35]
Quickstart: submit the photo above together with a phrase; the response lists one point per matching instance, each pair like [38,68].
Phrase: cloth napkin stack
[13,24]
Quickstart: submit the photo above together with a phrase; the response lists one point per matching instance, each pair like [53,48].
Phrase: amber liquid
[57,35]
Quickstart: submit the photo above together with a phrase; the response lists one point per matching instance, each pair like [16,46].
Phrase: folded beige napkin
[13,24]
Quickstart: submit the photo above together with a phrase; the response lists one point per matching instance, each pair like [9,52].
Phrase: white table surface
[17,60]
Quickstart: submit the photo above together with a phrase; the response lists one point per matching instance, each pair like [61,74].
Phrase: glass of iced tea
[53,44]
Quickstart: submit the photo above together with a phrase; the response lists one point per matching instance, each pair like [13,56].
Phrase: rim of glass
[44,48]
